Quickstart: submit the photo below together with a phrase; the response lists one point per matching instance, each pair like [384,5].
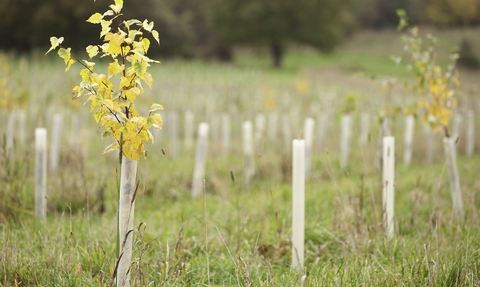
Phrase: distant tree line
[209,28]
[378,14]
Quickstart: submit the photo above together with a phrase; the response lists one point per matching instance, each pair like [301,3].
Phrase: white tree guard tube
[346,135]
[408,144]
[388,185]
[451,155]
[429,143]
[298,205]
[75,132]
[173,128]
[287,132]
[272,126]
[41,173]
[364,128]
[470,138]
[200,160]
[188,130]
[126,210]
[249,167]
[22,127]
[55,147]
[225,133]
[259,131]
[457,129]
[10,132]
[308,130]
[322,130]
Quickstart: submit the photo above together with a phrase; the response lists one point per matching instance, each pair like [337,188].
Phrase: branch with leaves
[126,44]
[437,87]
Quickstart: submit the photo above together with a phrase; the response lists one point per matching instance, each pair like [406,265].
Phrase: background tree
[319,23]
[453,12]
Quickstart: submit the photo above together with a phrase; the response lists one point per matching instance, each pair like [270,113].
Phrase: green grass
[235,236]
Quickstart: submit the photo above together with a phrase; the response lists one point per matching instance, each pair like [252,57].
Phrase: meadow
[237,234]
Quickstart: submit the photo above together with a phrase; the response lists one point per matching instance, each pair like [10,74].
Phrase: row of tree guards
[301,167]
[220,134]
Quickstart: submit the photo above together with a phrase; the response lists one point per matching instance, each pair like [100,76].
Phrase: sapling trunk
[408,144]
[126,210]
[200,160]
[308,129]
[346,135]
[55,147]
[249,166]
[388,185]
[451,155]
[470,138]
[298,205]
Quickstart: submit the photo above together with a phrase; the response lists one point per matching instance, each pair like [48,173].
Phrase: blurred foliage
[379,14]
[319,23]
[453,12]
[27,24]
[202,28]
[468,59]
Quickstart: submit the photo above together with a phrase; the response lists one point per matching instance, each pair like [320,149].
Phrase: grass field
[236,235]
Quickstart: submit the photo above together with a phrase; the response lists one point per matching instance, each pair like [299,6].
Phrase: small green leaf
[106,134]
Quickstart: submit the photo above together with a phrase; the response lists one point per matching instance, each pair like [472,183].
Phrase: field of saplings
[315,175]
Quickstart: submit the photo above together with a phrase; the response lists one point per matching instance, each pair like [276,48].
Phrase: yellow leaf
[155,36]
[69,64]
[90,65]
[115,41]
[92,51]
[145,44]
[99,114]
[140,68]
[147,26]
[105,27]
[148,79]
[54,41]
[155,107]
[114,68]
[64,54]
[117,7]
[112,147]
[95,18]
[132,94]
[85,74]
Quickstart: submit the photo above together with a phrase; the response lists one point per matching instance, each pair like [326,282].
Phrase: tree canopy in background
[207,28]
[319,23]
